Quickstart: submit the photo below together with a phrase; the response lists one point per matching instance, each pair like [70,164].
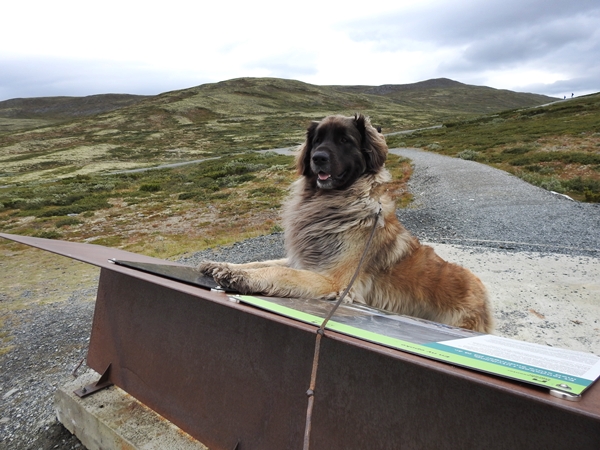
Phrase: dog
[339,198]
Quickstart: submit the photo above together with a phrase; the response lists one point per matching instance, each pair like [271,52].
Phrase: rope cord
[321,332]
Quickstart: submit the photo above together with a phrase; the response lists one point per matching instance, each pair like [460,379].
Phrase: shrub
[186,195]
[277,168]
[533,168]
[206,183]
[192,195]
[470,155]
[592,197]
[265,191]
[579,184]
[234,180]
[11,203]
[239,167]
[548,183]
[220,196]
[150,187]
[65,199]
[102,187]
[564,157]
[516,150]
[552,184]
[67,221]
[32,203]
[86,204]
[49,234]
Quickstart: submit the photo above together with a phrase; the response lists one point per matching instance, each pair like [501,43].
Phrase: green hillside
[212,119]
[556,146]
[451,98]
[23,113]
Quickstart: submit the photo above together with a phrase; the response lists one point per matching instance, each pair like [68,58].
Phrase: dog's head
[339,150]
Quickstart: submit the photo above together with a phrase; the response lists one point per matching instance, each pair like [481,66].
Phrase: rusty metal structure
[235,377]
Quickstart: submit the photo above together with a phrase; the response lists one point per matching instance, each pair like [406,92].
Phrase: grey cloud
[578,86]
[456,23]
[553,44]
[562,36]
[45,77]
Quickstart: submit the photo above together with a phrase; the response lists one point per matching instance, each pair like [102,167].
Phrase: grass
[556,147]
[217,119]
[212,203]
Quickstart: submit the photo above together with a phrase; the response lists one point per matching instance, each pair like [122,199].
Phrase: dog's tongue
[323,176]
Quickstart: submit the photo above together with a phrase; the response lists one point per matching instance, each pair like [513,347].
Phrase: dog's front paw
[232,279]
[210,268]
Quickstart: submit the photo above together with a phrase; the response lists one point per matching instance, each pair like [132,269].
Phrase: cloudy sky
[83,47]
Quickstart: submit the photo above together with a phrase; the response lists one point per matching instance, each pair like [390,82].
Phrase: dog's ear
[303,157]
[373,143]
[359,122]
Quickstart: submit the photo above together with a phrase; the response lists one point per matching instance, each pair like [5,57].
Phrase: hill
[555,146]
[212,119]
[65,107]
[442,94]
[22,113]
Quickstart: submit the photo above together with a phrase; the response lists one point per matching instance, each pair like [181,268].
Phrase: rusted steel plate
[225,375]
[220,374]
[230,375]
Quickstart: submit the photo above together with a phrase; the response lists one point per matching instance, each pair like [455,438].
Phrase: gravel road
[537,252]
[464,202]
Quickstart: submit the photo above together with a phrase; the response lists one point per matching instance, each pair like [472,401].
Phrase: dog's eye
[343,140]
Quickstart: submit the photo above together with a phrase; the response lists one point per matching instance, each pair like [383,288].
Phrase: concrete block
[112,419]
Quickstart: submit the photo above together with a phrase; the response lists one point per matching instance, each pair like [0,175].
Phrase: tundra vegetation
[66,163]
[69,179]
[556,147]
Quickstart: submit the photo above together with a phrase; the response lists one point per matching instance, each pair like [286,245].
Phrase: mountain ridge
[65,106]
[439,92]
[215,119]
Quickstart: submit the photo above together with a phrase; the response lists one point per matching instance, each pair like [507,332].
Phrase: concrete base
[113,419]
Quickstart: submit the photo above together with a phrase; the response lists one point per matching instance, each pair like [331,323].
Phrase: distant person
[572,95]
[565,97]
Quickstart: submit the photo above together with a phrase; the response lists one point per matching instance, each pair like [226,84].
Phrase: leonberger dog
[339,198]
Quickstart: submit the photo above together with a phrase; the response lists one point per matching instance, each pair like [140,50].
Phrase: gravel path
[467,203]
[49,342]
[537,252]
[464,202]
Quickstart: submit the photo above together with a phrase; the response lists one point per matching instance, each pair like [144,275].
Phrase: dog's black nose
[320,157]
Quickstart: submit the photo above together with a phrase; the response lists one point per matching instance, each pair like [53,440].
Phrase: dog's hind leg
[478,320]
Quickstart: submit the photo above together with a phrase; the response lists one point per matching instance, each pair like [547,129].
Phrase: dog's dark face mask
[336,159]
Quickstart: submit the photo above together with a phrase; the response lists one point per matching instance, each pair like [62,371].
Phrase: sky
[79,48]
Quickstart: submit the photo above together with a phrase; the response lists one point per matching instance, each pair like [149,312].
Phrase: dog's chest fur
[323,229]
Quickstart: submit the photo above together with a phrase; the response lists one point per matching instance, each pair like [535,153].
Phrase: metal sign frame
[234,376]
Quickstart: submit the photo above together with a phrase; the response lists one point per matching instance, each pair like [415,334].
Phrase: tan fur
[325,235]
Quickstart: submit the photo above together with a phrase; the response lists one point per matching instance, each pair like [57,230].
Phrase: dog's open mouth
[323,176]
